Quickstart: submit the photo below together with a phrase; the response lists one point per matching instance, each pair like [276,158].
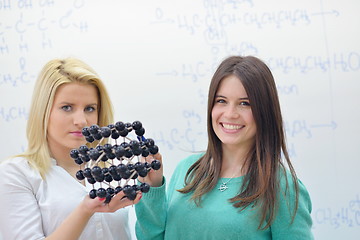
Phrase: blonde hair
[55,73]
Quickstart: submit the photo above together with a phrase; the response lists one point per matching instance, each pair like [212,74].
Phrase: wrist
[159,183]
[85,209]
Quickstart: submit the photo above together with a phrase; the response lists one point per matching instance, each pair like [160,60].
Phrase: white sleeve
[20,216]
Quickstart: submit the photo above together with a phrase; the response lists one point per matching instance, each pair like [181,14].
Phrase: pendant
[223,187]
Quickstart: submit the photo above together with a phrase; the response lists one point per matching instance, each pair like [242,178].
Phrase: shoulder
[190,160]
[286,178]
[288,190]
[17,168]
[14,164]
[183,166]
[291,219]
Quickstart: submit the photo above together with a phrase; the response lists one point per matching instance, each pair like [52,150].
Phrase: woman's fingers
[127,202]
[153,177]
[158,156]
[117,202]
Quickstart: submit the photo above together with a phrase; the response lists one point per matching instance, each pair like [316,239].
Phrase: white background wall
[157,59]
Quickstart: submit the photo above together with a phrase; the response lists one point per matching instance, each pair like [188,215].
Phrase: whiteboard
[157,59]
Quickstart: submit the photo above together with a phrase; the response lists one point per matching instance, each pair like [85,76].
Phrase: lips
[231,126]
[77,133]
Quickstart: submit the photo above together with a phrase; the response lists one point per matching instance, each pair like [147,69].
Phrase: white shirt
[32,208]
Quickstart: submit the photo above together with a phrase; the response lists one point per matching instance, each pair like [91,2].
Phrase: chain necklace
[223,186]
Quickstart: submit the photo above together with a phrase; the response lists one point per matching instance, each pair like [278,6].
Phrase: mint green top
[172,216]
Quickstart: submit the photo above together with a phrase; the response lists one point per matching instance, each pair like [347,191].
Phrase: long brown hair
[265,160]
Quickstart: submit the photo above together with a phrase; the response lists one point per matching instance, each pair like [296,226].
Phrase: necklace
[223,186]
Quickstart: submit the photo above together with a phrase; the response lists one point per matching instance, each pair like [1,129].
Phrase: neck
[233,162]
[63,159]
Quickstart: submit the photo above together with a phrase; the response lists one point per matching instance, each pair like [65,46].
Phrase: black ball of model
[110,167]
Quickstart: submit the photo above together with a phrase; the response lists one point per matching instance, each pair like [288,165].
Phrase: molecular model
[112,166]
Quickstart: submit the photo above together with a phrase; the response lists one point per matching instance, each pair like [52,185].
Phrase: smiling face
[75,106]
[232,118]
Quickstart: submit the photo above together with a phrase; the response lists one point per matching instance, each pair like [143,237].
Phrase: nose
[80,119]
[232,111]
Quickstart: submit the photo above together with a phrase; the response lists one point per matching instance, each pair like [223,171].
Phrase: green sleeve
[151,211]
[151,214]
[300,228]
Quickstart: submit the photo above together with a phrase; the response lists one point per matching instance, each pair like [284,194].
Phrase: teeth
[231,127]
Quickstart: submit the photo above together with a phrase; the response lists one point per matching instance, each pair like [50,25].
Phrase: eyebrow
[68,103]
[244,98]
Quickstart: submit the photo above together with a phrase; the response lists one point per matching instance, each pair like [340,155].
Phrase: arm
[75,223]
[300,229]
[151,214]
[151,210]
[20,216]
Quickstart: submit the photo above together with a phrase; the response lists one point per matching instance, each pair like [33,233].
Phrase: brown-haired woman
[244,185]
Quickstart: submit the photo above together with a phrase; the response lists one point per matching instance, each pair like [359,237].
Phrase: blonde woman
[40,195]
